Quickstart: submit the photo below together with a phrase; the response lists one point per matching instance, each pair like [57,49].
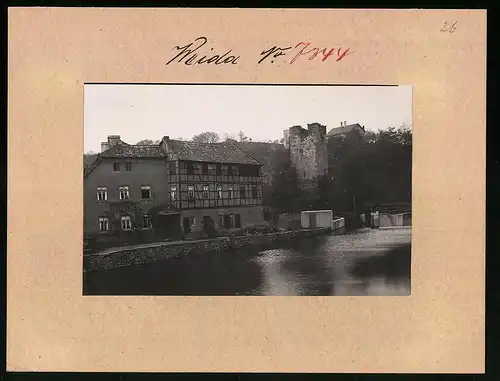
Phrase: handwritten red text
[323,54]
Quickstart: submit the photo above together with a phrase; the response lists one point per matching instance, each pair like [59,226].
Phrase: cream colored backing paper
[51,326]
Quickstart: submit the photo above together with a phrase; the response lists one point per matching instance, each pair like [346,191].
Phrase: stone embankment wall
[142,254]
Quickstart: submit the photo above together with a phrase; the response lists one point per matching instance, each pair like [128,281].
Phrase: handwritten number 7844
[449,28]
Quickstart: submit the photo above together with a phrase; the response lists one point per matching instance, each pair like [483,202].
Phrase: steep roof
[225,152]
[344,129]
[124,150]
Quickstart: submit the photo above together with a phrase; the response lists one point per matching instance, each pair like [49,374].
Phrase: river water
[363,262]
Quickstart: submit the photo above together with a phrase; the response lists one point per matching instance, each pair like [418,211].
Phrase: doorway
[312,220]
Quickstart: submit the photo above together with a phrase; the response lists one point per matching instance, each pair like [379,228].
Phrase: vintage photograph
[247,190]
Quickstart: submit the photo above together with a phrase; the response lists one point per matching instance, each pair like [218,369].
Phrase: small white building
[313,219]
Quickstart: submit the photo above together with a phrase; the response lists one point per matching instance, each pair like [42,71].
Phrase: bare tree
[229,136]
[206,137]
[243,138]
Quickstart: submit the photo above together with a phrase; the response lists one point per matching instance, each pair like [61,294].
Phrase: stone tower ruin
[308,150]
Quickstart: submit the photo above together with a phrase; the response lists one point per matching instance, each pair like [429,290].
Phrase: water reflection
[366,262]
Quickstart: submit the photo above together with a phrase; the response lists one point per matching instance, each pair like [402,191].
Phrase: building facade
[352,131]
[215,186]
[121,186]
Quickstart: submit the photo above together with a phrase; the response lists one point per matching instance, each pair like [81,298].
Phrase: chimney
[341,124]
[345,123]
[113,140]
[166,137]
[104,146]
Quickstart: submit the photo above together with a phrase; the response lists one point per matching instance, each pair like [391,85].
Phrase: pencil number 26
[449,28]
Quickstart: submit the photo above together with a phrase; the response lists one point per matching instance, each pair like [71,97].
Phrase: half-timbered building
[214,185]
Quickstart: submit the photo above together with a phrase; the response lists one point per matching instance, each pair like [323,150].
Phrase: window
[146,222]
[231,192]
[232,221]
[126,223]
[103,224]
[242,191]
[124,193]
[220,220]
[218,169]
[116,167]
[205,191]
[102,193]
[227,221]
[189,224]
[146,192]
[128,166]
[205,168]
[254,191]
[190,169]
[237,221]
[191,192]
[172,168]
[173,193]
[206,223]
[219,191]
[229,170]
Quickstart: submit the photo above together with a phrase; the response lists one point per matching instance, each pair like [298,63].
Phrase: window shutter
[238,221]
[227,221]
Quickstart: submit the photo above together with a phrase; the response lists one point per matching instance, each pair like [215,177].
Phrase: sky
[137,112]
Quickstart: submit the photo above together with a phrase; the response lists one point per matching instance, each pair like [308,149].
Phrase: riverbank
[364,262]
[148,253]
